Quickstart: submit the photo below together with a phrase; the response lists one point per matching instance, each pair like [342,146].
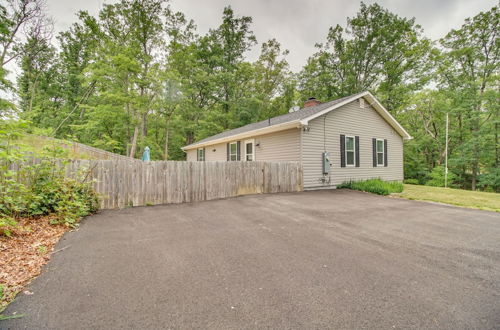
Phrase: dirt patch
[24,253]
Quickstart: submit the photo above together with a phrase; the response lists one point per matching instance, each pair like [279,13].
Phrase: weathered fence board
[124,183]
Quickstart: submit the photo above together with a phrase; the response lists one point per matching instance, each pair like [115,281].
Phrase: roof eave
[260,131]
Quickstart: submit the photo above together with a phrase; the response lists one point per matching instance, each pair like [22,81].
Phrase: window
[350,153]
[380,152]
[200,154]
[249,150]
[233,151]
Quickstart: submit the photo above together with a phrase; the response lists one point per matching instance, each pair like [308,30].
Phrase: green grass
[464,198]
[8,317]
[375,186]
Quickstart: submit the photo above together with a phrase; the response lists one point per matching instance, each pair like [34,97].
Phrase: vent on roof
[311,102]
[294,108]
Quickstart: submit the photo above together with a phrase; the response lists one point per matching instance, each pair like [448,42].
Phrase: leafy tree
[39,83]
[17,16]
[469,72]
[377,51]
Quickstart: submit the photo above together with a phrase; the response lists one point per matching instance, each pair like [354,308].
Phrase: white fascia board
[252,133]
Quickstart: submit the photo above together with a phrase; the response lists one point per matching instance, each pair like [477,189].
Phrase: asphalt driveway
[321,259]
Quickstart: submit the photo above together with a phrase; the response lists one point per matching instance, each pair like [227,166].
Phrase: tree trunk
[133,147]
[497,145]
[144,125]
[189,137]
[165,155]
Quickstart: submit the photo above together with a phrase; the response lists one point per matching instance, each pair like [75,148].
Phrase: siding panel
[354,121]
[278,146]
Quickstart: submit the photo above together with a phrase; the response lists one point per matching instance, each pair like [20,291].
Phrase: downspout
[323,179]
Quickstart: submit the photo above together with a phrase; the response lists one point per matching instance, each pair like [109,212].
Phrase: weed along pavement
[321,259]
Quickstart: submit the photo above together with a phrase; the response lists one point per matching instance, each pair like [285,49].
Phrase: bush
[490,181]
[411,181]
[436,177]
[39,188]
[43,189]
[376,186]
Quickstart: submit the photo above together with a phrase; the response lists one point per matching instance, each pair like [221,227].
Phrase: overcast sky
[296,24]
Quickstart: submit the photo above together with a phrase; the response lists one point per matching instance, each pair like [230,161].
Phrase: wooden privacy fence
[124,183]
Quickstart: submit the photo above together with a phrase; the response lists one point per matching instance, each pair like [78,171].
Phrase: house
[351,138]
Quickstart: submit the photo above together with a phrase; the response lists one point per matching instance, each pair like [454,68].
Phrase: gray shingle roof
[289,117]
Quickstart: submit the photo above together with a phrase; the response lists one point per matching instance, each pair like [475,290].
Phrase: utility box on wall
[326,162]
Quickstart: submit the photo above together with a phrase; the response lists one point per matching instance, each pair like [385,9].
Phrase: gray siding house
[352,138]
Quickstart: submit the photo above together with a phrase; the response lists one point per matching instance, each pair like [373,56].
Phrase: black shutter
[356,145]
[238,151]
[374,143]
[204,155]
[385,153]
[228,158]
[197,155]
[342,150]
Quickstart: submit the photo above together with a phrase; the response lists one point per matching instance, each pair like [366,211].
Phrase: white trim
[231,154]
[239,136]
[252,141]
[377,152]
[353,150]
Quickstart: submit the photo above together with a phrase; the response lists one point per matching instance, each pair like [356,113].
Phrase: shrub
[376,186]
[436,177]
[42,189]
[490,181]
[411,181]
[39,188]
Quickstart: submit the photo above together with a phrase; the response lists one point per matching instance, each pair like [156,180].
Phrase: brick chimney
[311,102]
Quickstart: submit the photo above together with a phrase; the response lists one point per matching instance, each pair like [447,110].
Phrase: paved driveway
[321,259]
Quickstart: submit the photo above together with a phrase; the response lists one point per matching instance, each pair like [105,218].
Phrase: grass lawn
[465,198]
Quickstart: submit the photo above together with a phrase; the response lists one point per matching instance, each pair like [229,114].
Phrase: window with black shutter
[380,152]
[350,151]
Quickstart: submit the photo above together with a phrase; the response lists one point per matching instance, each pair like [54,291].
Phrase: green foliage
[411,181]
[375,186]
[377,51]
[138,74]
[490,181]
[29,188]
[436,177]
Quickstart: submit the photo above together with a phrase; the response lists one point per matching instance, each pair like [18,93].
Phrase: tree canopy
[140,74]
